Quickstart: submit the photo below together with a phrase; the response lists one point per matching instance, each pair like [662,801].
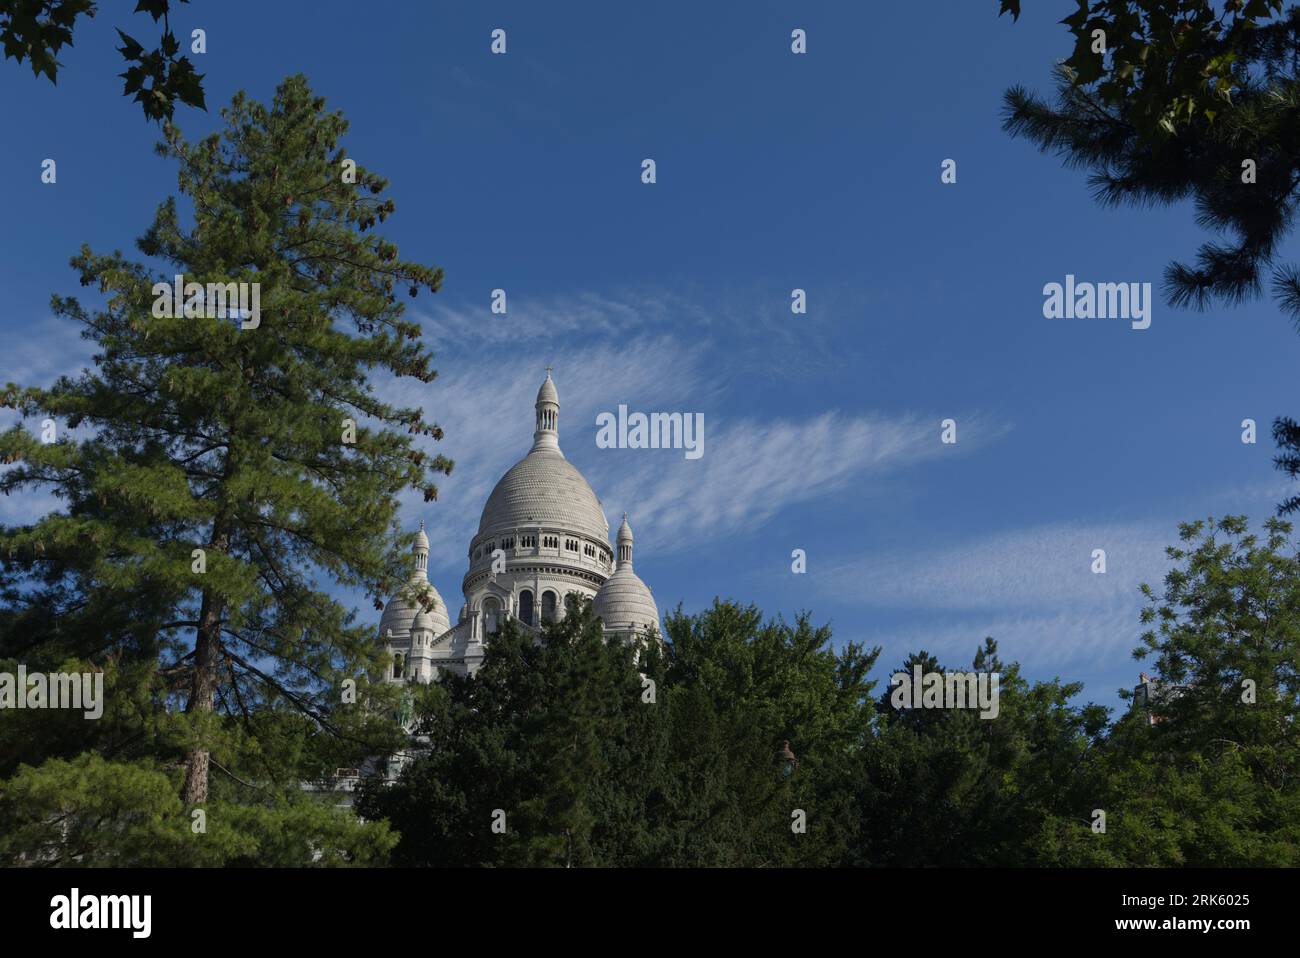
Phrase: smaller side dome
[417,596]
[624,603]
[400,614]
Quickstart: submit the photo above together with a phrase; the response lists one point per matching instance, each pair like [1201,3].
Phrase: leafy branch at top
[36,30]
[1165,63]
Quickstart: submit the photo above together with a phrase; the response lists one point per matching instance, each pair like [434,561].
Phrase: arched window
[548,606]
[526,606]
[399,666]
[491,615]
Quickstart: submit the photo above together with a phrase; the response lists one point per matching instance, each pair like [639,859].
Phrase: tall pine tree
[218,470]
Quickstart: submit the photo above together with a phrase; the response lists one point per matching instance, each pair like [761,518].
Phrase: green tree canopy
[1212,781]
[613,754]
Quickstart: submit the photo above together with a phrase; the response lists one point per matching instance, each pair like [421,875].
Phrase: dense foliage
[560,739]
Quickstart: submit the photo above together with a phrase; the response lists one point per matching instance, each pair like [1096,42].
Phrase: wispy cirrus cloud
[752,336]
[1080,643]
[36,356]
[562,321]
[650,352]
[1258,498]
[753,468]
[1032,589]
[42,351]
[1040,567]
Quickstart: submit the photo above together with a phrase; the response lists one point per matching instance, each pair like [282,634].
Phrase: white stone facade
[543,536]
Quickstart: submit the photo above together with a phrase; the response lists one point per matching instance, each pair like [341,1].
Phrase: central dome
[544,489]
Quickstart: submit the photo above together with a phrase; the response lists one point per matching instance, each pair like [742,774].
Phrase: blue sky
[775,171]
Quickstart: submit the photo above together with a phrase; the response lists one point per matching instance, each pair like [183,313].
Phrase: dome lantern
[546,435]
[624,544]
[421,550]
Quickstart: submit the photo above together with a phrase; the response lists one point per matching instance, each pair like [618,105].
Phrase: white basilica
[543,537]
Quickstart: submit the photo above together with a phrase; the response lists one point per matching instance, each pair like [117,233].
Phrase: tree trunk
[203,686]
